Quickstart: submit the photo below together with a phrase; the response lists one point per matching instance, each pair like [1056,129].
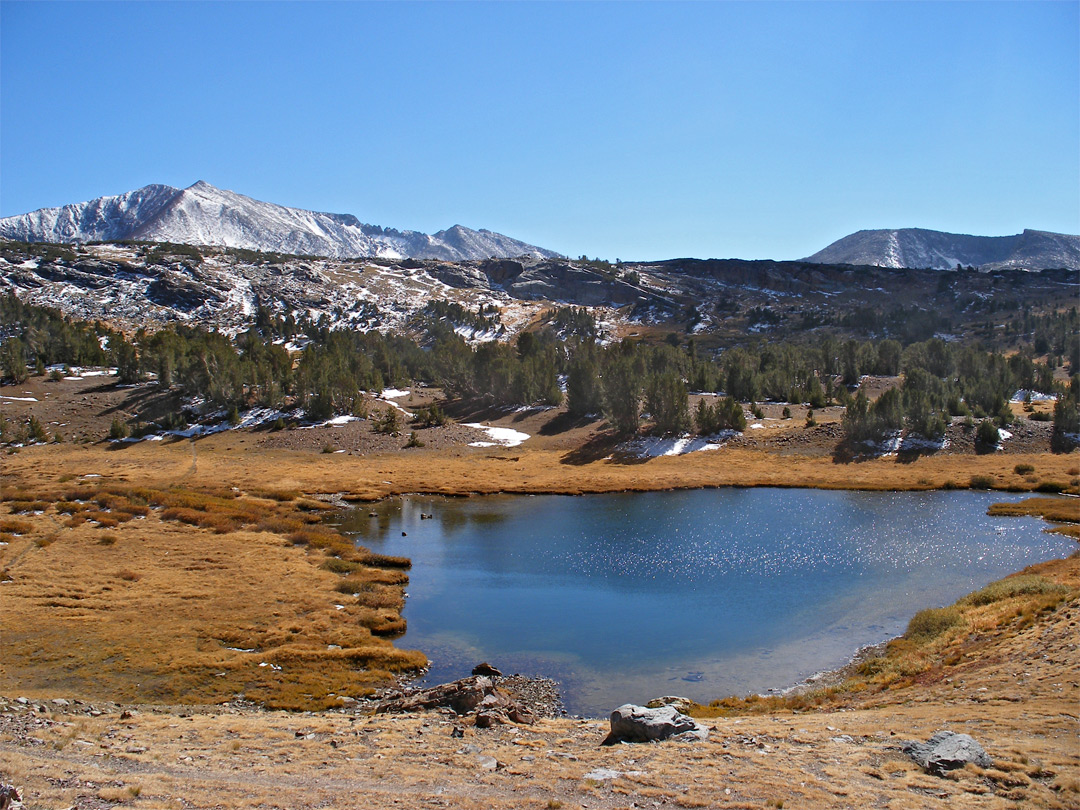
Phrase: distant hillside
[919,248]
[204,215]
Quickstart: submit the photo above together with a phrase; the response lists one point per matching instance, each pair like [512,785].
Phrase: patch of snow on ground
[78,372]
[20,399]
[393,393]
[655,446]
[334,421]
[1036,396]
[888,446]
[507,437]
[913,442]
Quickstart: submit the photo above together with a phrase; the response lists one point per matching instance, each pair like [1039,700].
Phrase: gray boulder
[946,751]
[630,723]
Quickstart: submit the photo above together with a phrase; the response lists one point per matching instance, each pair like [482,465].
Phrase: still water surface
[700,593]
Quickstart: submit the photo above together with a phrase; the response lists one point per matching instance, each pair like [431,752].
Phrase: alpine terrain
[920,248]
[204,215]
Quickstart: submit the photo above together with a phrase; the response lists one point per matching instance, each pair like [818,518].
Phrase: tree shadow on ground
[563,422]
[602,447]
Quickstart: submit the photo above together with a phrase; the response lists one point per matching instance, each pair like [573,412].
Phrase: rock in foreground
[946,751]
[477,695]
[630,723]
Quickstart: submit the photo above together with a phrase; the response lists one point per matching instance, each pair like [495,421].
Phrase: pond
[700,593]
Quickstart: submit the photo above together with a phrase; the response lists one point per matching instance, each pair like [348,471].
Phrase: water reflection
[703,593]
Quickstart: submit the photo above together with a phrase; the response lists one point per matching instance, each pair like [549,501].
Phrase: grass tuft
[1010,587]
[928,624]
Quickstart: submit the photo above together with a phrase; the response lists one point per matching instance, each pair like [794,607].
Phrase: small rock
[486,669]
[60,702]
[946,751]
[602,774]
[457,731]
[488,719]
[487,763]
[469,748]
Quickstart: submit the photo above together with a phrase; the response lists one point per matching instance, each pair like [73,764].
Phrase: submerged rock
[946,751]
[630,723]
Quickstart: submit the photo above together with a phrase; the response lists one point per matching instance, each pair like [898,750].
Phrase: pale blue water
[700,593]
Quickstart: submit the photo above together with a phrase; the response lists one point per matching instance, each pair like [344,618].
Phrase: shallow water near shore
[699,593]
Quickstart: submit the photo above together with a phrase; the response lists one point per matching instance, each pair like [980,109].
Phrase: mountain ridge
[940,250]
[203,214]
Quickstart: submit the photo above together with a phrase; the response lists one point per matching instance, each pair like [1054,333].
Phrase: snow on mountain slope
[920,248]
[204,215]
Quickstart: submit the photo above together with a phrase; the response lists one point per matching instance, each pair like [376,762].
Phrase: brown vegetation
[201,572]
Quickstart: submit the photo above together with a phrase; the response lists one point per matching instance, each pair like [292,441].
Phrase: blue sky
[619,130]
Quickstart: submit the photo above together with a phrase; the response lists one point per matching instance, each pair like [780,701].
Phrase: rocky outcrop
[10,798]
[477,696]
[630,723]
[946,751]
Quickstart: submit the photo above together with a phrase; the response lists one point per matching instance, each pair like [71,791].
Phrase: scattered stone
[486,669]
[488,719]
[630,723]
[9,797]
[475,695]
[946,751]
[469,748]
[602,774]
[60,702]
[487,763]
[458,732]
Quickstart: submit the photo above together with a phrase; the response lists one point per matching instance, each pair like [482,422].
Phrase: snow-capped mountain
[919,248]
[204,215]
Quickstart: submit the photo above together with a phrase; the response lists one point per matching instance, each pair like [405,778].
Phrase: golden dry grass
[149,610]
[1058,510]
[464,470]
